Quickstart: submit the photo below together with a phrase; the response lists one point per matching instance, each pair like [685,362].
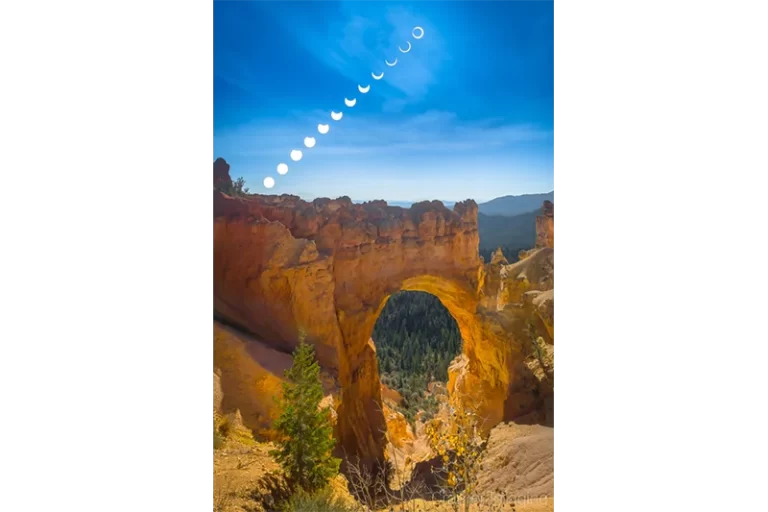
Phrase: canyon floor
[519,461]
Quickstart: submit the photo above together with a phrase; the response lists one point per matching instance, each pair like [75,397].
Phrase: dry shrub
[223,493]
[272,491]
[320,501]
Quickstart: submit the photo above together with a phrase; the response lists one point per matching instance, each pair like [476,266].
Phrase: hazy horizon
[310,197]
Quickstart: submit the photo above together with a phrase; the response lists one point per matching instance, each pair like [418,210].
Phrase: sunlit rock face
[400,432]
[283,265]
[248,374]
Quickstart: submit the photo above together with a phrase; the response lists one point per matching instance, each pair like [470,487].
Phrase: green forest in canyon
[416,339]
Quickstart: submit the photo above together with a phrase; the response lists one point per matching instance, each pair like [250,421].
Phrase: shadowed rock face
[327,267]
[221,177]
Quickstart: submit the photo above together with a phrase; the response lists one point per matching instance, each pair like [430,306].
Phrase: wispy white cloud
[429,132]
[421,65]
[355,46]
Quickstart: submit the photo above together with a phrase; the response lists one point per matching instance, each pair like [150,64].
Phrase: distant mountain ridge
[408,204]
[506,206]
[511,232]
[510,206]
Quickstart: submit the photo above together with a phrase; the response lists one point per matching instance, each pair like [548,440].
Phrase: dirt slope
[520,460]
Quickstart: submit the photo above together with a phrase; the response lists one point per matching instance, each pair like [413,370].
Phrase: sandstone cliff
[248,375]
[327,268]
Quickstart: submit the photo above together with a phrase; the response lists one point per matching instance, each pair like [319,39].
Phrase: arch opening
[416,340]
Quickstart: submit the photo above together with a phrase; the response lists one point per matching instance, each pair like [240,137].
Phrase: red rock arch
[327,267]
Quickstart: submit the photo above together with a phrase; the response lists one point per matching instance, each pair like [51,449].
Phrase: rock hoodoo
[545,226]
[326,268]
[221,178]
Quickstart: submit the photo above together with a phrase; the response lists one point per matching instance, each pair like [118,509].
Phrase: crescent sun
[392,64]
[377,77]
[405,51]
[363,89]
[350,103]
[336,116]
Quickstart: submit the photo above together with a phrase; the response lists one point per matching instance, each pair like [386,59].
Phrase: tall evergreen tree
[306,433]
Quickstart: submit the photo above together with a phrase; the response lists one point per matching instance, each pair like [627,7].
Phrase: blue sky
[467,113]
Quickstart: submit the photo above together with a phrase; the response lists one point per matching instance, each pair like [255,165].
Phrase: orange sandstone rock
[390,396]
[400,432]
[248,374]
[327,267]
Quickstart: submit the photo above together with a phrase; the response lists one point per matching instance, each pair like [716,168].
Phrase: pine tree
[306,443]
[388,364]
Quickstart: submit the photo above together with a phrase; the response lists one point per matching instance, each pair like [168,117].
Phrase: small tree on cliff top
[306,433]
[234,188]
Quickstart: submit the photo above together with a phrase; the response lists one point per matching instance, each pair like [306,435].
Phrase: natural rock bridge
[327,267]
